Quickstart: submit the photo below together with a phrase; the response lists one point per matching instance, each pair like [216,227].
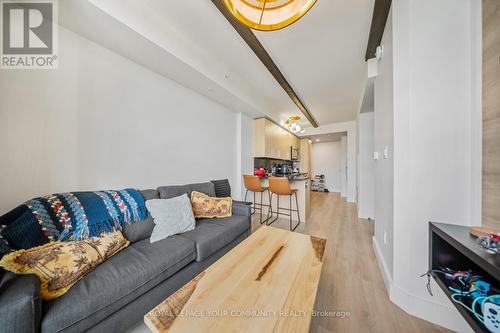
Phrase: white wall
[437,140]
[384,136]
[101,121]
[366,166]
[245,160]
[326,157]
[343,166]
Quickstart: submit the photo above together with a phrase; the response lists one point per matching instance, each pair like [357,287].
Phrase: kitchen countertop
[296,178]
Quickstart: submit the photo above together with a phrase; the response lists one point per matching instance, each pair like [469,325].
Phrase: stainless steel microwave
[294,153]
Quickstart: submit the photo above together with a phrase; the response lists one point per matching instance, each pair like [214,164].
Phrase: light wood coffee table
[267,283]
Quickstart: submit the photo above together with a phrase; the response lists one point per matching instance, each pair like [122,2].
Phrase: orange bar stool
[252,184]
[281,186]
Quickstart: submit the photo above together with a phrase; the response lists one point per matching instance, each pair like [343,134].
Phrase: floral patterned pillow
[205,206]
[59,265]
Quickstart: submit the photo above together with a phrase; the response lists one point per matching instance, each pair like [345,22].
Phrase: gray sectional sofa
[116,295]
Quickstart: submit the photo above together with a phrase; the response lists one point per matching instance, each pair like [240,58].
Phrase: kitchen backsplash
[266,163]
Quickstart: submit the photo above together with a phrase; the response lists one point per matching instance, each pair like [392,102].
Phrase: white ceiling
[321,55]
[204,26]
[331,137]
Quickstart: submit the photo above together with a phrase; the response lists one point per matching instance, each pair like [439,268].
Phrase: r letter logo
[29,34]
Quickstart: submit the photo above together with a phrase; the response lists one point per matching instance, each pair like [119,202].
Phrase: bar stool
[281,186]
[252,184]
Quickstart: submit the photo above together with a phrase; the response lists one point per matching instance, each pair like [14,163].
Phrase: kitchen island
[301,184]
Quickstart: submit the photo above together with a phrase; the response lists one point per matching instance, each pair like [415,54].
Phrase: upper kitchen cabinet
[295,141]
[305,156]
[272,141]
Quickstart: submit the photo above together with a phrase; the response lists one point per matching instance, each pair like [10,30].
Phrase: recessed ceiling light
[317,140]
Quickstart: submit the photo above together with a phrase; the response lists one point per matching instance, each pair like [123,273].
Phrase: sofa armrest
[241,209]
[20,303]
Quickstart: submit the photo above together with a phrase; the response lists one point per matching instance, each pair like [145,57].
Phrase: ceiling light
[292,126]
[317,140]
[268,15]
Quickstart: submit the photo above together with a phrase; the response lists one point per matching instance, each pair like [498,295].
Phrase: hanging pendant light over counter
[268,15]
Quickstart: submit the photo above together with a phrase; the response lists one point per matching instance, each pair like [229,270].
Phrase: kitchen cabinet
[305,156]
[272,141]
[295,141]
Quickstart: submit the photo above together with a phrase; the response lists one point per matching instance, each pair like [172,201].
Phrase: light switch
[386,152]
[375,155]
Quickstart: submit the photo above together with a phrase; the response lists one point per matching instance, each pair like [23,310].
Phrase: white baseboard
[435,312]
[386,275]
[363,215]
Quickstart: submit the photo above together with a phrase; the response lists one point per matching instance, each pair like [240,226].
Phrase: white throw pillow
[170,216]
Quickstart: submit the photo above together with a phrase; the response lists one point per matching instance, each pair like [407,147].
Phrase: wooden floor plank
[350,278]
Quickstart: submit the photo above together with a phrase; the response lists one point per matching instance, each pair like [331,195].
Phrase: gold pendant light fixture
[268,15]
[292,126]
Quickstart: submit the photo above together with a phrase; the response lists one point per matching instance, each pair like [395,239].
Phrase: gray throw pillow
[170,216]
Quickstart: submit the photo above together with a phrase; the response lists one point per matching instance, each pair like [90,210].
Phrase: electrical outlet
[386,152]
[385,238]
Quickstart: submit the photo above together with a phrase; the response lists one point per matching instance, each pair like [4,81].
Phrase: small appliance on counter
[278,168]
[285,169]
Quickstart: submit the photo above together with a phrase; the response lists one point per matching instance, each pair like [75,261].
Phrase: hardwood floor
[351,281]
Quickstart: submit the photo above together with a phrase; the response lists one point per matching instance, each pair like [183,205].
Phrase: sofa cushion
[222,188]
[118,281]
[167,192]
[211,235]
[206,188]
[141,230]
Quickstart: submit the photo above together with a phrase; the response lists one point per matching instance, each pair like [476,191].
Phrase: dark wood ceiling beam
[379,19]
[259,50]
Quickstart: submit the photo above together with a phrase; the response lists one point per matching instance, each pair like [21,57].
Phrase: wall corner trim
[435,312]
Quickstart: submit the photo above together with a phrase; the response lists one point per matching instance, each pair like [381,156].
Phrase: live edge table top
[267,283]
